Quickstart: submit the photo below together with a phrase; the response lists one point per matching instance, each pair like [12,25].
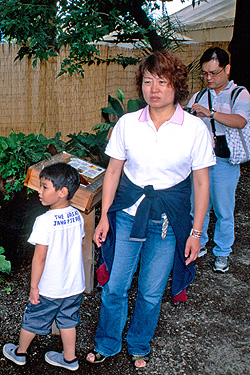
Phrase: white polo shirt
[160,158]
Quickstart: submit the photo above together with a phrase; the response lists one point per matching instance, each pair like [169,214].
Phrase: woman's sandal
[144,358]
[99,358]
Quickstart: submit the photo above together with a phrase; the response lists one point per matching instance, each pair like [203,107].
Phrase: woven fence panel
[32,97]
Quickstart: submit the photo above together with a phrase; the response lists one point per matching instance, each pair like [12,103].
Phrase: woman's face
[157,91]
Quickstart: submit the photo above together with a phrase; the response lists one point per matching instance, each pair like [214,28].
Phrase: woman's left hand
[192,249]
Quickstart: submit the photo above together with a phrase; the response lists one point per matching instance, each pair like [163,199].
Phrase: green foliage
[33,25]
[88,145]
[93,145]
[42,28]
[5,265]
[18,152]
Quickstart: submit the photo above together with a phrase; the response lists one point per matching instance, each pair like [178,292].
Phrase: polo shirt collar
[229,85]
[177,118]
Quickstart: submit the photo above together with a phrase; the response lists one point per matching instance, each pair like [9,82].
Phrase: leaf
[7,289]
[132,105]
[120,95]
[103,126]
[5,265]
[135,105]
[116,106]
[3,143]
[109,110]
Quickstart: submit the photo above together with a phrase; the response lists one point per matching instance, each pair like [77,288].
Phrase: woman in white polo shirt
[147,220]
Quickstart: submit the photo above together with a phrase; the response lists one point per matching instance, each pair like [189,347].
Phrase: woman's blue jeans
[156,262]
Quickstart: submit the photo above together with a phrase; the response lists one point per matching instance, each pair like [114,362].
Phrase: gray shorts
[38,319]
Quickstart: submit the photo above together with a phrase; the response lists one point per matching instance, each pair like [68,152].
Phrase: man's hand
[201,111]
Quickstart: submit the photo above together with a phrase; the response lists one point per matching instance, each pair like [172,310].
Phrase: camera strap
[211,120]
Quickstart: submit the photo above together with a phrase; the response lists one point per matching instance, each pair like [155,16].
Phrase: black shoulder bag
[221,148]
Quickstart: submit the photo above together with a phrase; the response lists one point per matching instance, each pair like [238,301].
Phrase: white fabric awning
[210,21]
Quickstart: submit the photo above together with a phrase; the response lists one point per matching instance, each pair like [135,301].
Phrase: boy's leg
[24,340]
[17,353]
[69,343]
[67,316]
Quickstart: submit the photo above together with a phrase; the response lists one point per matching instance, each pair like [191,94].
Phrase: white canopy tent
[211,21]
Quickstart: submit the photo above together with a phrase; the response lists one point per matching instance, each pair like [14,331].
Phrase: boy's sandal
[99,358]
[144,358]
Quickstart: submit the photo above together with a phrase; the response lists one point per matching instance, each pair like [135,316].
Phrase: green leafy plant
[42,28]
[5,265]
[17,152]
[92,145]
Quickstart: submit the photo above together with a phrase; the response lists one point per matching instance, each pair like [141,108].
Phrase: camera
[189,110]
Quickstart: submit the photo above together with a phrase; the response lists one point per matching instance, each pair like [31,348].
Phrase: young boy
[57,276]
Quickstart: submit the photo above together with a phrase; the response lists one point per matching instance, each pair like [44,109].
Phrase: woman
[148,221]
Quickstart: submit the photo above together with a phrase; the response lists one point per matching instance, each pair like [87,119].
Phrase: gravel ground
[208,335]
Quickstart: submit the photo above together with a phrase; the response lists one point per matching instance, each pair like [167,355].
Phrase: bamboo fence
[32,96]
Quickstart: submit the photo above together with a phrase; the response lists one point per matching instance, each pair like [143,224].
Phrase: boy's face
[50,197]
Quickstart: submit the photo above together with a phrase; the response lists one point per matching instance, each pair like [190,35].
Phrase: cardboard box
[90,191]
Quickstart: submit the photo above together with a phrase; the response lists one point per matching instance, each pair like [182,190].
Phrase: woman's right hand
[101,231]
[110,184]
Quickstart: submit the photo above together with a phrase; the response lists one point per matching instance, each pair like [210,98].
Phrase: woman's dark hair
[62,175]
[165,64]
[215,53]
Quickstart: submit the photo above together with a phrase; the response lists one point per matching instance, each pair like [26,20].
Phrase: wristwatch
[212,113]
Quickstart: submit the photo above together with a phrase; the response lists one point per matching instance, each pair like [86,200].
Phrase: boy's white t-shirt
[62,231]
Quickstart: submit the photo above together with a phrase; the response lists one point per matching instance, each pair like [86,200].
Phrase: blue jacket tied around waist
[175,202]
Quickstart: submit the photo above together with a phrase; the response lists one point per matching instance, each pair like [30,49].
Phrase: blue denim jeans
[223,180]
[156,262]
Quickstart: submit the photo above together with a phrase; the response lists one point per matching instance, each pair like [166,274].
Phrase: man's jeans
[223,179]
[156,262]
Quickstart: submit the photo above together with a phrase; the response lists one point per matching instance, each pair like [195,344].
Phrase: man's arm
[36,272]
[230,120]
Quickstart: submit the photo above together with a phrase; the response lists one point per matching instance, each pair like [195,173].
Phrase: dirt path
[208,335]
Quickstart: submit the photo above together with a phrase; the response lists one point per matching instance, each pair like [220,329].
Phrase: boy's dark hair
[215,53]
[62,175]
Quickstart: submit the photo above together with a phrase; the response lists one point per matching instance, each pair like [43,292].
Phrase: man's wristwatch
[212,113]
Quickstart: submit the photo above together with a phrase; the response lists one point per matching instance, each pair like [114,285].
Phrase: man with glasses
[216,109]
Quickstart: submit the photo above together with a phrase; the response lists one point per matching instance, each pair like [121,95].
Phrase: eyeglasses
[212,74]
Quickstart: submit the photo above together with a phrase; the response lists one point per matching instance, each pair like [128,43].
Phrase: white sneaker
[57,359]
[221,264]
[202,252]
[9,351]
